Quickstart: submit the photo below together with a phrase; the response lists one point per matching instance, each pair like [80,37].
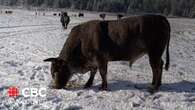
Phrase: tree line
[185,8]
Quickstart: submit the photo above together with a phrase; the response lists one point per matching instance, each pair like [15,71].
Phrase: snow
[26,40]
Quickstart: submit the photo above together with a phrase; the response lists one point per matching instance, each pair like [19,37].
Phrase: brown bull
[92,44]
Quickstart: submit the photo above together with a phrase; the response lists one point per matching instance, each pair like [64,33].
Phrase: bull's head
[60,72]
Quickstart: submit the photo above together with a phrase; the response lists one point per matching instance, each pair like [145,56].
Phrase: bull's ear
[50,59]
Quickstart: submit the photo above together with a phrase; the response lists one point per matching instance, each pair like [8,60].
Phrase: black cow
[119,16]
[91,45]
[8,12]
[54,14]
[103,15]
[65,19]
[81,15]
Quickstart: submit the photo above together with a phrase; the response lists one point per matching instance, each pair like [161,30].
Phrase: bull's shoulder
[83,27]
[92,22]
[88,28]
[75,28]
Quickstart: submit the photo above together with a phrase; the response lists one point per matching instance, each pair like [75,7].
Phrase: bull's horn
[50,60]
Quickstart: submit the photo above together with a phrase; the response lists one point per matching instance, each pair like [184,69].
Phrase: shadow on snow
[178,87]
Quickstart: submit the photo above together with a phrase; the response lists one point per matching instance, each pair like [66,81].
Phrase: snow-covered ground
[26,39]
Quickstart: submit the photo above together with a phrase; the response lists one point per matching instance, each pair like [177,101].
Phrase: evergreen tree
[166,7]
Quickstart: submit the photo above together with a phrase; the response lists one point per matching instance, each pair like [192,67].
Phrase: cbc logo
[27,92]
[34,92]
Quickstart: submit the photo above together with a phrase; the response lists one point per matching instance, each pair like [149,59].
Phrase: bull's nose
[57,87]
[51,84]
[54,85]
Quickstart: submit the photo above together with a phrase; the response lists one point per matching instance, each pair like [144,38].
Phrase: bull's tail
[167,50]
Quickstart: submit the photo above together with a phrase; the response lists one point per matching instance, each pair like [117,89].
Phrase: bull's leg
[103,73]
[65,26]
[130,64]
[90,80]
[160,72]
[156,66]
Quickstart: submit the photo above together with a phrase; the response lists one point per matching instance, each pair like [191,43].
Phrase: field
[26,40]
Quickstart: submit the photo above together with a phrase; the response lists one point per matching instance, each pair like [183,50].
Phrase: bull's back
[130,37]
[144,27]
[122,39]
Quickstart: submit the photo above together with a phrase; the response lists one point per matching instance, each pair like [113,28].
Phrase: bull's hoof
[87,86]
[103,88]
[152,89]
[55,86]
